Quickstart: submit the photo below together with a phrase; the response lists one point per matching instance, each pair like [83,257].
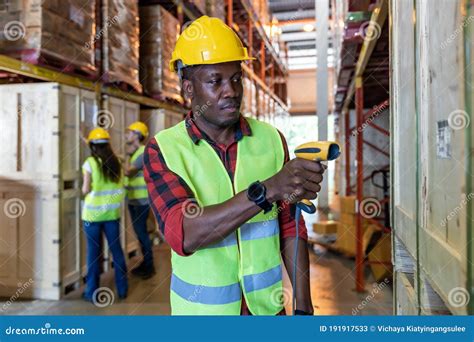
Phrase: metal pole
[230,14]
[262,59]
[347,150]
[322,16]
[359,101]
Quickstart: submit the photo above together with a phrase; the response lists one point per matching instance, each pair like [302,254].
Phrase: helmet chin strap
[180,66]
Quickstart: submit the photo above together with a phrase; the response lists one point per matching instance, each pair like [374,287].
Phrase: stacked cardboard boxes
[120,35]
[346,230]
[216,8]
[48,32]
[159,30]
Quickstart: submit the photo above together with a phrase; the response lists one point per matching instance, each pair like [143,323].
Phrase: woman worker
[104,193]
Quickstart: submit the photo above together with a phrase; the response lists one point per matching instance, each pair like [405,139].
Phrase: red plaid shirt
[167,191]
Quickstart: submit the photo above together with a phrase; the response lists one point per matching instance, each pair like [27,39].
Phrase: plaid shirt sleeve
[286,218]
[166,191]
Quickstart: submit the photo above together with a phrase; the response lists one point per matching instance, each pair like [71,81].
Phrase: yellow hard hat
[139,127]
[208,41]
[98,135]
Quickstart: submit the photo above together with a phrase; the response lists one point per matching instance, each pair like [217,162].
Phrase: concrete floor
[331,278]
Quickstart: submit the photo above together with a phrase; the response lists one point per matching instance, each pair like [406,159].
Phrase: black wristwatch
[257,193]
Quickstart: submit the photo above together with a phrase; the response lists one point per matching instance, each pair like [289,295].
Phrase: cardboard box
[325,227]
[159,31]
[382,252]
[346,238]
[348,204]
[351,219]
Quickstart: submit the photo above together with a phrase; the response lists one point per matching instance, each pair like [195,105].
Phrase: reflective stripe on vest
[248,260]
[103,203]
[206,294]
[136,185]
[250,231]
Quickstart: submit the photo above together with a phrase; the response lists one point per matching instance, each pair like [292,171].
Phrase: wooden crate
[430,301]
[122,114]
[403,113]
[406,302]
[42,175]
[159,119]
[433,213]
[382,252]
[443,238]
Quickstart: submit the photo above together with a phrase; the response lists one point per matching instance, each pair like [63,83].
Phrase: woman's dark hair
[108,161]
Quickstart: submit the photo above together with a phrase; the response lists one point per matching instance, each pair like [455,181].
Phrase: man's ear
[188,89]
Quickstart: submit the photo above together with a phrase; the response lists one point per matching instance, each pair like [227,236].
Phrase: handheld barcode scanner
[317,151]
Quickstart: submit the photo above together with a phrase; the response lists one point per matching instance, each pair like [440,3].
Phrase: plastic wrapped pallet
[261,9]
[200,5]
[260,102]
[216,8]
[246,108]
[121,42]
[159,30]
[50,32]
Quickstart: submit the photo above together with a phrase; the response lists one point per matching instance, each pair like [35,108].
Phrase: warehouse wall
[302,90]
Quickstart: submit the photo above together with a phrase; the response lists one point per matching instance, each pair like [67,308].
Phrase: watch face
[256,191]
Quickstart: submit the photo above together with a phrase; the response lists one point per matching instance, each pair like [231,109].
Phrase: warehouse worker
[221,187]
[137,195]
[103,187]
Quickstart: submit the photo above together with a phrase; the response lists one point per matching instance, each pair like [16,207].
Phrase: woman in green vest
[104,193]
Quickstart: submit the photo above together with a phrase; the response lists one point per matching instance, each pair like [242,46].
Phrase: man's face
[216,92]
[130,137]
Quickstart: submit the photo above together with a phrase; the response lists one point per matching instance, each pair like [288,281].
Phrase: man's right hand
[298,179]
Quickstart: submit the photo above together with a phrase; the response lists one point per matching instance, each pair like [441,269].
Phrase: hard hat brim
[173,68]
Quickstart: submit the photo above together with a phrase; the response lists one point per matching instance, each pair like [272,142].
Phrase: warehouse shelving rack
[272,74]
[41,73]
[268,58]
[21,71]
[354,93]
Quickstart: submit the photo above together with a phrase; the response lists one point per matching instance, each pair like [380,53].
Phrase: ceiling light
[308,28]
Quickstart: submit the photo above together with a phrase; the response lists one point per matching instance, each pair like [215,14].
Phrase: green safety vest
[103,203]
[211,281]
[136,185]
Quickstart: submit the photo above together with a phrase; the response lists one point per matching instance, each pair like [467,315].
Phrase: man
[137,195]
[219,185]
